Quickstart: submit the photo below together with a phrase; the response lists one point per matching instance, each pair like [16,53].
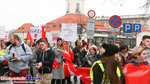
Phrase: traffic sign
[136,27]
[91,13]
[127,27]
[91,20]
[115,21]
[90,34]
[114,29]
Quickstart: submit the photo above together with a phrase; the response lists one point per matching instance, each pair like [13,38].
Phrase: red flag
[43,34]
[137,74]
[55,64]
[84,75]
[69,68]
[29,37]
[67,56]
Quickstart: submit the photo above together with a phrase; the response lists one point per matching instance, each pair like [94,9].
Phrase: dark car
[4,69]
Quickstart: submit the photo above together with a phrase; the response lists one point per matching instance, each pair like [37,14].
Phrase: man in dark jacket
[45,61]
[76,52]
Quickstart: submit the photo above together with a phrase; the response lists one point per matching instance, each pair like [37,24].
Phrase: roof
[24,28]
[55,25]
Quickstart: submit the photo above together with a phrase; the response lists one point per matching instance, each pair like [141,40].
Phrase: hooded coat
[25,56]
[47,58]
[59,72]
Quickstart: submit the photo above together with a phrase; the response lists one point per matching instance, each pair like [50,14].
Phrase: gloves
[64,59]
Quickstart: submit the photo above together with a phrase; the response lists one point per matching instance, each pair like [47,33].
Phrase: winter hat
[59,39]
[93,46]
[110,49]
[84,43]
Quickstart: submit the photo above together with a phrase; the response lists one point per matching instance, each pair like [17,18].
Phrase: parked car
[4,69]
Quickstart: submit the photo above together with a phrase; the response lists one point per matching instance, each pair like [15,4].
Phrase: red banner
[137,74]
[84,74]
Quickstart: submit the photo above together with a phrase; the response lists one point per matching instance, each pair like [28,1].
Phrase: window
[22,27]
[136,21]
[77,7]
[130,21]
[59,25]
[124,21]
[107,24]
[54,25]
[19,28]
[68,6]
[48,26]
[103,23]
[145,23]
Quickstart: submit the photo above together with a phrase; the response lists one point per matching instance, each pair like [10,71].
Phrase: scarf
[124,55]
[139,61]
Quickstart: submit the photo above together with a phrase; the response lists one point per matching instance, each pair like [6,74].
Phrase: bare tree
[146,5]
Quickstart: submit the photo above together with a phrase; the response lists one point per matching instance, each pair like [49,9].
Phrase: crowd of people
[105,61]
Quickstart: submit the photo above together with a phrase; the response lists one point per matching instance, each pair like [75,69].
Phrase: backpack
[21,45]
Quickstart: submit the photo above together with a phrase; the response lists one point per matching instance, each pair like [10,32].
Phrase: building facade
[142,19]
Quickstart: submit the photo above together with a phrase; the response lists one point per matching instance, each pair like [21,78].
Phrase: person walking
[45,62]
[138,61]
[76,52]
[18,54]
[58,74]
[35,54]
[68,54]
[83,52]
[124,55]
[88,59]
[146,44]
[2,53]
[107,70]
[100,55]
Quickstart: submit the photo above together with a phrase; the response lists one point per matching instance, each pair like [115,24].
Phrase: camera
[14,58]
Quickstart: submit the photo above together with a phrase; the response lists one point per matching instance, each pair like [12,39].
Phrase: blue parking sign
[136,27]
[127,27]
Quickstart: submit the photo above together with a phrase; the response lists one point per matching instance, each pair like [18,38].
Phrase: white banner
[6,36]
[36,33]
[52,38]
[2,31]
[69,32]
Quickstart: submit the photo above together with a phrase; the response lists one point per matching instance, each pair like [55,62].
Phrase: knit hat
[110,49]
[93,46]
[59,39]
[84,43]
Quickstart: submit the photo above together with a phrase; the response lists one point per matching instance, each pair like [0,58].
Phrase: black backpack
[21,45]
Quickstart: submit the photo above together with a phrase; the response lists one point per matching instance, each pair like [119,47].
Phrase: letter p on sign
[127,28]
[136,27]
